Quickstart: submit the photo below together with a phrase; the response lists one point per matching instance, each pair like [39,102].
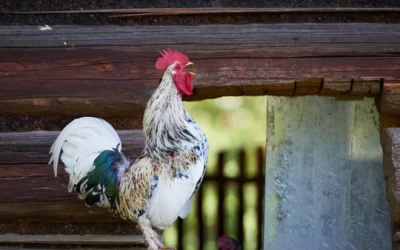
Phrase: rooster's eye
[178,67]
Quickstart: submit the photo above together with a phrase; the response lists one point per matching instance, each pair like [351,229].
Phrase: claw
[168,248]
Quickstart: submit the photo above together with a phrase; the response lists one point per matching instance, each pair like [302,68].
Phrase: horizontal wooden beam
[57,123]
[208,10]
[43,227]
[109,70]
[19,247]
[71,209]
[32,148]
[26,178]
[104,12]
[72,239]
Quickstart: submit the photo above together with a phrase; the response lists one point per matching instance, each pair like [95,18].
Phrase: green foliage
[230,123]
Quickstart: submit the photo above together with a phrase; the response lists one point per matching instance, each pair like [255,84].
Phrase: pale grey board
[324,180]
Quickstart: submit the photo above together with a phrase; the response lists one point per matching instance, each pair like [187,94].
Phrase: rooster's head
[175,63]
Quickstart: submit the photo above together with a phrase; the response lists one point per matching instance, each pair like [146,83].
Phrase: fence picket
[221,182]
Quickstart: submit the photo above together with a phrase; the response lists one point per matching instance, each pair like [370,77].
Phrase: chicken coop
[328,176]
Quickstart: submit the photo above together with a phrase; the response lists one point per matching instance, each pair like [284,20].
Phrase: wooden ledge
[72,239]
[125,13]
[19,247]
[209,10]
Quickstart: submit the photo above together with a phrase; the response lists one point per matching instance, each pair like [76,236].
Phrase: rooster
[228,243]
[156,188]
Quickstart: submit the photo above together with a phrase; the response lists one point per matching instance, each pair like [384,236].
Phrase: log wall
[113,66]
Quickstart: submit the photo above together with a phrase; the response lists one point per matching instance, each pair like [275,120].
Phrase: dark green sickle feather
[102,182]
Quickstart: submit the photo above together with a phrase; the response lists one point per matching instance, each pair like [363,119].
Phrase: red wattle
[183,82]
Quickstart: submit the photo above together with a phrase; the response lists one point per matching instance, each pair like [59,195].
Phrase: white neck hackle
[164,115]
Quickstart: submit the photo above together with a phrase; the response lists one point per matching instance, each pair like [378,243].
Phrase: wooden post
[221,194]
[389,109]
[323,174]
[242,174]
[391,169]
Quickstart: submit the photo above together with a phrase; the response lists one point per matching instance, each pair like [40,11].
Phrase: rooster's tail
[90,150]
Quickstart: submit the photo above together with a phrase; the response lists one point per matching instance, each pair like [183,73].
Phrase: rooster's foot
[151,237]
[168,248]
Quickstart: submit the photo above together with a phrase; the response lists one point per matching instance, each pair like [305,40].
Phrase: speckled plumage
[174,143]
[158,186]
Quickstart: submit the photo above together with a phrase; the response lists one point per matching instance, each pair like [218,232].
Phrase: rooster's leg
[150,235]
[159,232]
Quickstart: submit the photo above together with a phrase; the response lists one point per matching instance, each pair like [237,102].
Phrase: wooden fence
[219,181]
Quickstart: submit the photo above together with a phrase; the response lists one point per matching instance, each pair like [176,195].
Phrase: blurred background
[231,197]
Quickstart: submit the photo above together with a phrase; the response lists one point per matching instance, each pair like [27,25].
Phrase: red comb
[168,57]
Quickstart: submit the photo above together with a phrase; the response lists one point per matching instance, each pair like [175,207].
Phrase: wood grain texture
[68,228]
[324,156]
[57,123]
[33,147]
[335,87]
[391,169]
[390,99]
[366,88]
[386,122]
[72,239]
[195,13]
[26,178]
[206,10]
[70,209]
[109,70]
[55,247]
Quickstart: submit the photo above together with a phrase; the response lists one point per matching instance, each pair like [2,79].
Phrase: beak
[189,63]
[192,73]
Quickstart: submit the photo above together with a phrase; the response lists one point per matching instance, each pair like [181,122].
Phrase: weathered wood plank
[68,210]
[69,228]
[19,247]
[72,239]
[366,88]
[104,12]
[109,70]
[25,149]
[309,87]
[390,100]
[334,87]
[342,160]
[386,122]
[391,169]
[207,10]
[57,123]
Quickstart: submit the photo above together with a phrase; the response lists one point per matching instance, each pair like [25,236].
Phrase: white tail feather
[81,141]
